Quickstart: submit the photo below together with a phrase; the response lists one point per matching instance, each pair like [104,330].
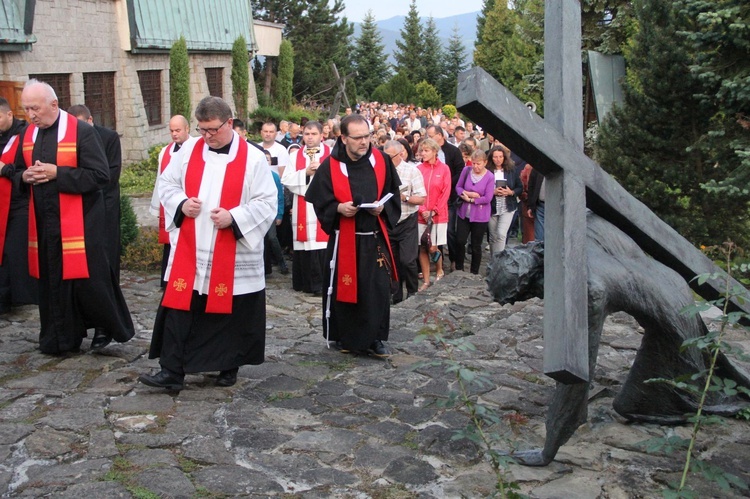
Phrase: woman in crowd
[507,189]
[475,189]
[437,181]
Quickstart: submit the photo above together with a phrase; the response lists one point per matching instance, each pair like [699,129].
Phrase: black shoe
[163,379]
[228,377]
[340,347]
[378,349]
[101,339]
[284,270]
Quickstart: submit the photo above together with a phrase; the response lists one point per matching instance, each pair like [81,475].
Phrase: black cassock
[358,325]
[113,151]
[68,307]
[17,287]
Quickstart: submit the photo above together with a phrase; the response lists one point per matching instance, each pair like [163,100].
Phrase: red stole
[165,159]
[8,156]
[301,232]
[346,264]
[182,276]
[74,264]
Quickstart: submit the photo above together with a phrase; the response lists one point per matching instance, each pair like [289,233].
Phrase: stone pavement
[313,422]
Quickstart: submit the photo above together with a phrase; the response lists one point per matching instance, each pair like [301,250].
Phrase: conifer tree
[410,47]
[719,32]
[432,58]
[179,79]
[453,63]
[369,58]
[487,6]
[240,76]
[651,143]
[284,81]
[506,52]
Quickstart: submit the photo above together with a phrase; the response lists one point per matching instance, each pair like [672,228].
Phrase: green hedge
[137,179]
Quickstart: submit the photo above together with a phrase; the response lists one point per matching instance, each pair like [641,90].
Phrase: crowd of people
[363,205]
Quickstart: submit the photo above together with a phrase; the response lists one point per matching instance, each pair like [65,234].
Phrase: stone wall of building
[82,36]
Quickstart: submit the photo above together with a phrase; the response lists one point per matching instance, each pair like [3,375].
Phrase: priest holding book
[355,176]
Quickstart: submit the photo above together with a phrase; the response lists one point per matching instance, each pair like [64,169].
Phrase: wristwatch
[406,199]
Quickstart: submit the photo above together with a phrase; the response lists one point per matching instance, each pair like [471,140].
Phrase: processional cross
[574,182]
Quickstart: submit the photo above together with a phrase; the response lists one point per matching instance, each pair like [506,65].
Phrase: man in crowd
[283,129]
[219,200]
[413,123]
[17,287]
[292,137]
[451,156]
[359,294]
[405,235]
[63,163]
[279,155]
[179,131]
[113,151]
[310,241]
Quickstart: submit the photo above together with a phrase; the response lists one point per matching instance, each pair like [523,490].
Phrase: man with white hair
[63,164]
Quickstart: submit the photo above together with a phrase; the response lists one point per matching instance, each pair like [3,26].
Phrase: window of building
[99,97]
[150,82]
[215,81]
[60,82]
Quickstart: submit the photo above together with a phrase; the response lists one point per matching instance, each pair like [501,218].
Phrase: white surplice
[254,215]
[296,181]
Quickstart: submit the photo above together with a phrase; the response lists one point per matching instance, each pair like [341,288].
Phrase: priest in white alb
[219,200]
[310,241]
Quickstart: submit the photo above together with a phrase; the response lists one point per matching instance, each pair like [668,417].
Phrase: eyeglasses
[394,155]
[211,131]
[360,137]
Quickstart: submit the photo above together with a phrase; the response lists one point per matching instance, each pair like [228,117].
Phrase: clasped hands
[39,173]
[467,196]
[219,216]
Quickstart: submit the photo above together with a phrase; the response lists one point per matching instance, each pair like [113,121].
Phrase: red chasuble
[320,236]
[165,159]
[8,156]
[74,261]
[346,259]
[182,276]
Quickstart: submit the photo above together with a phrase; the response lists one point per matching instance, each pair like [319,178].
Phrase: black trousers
[405,244]
[463,229]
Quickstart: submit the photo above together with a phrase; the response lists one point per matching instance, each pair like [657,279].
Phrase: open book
[375,204]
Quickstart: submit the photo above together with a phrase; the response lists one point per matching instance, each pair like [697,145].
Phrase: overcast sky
[384,9]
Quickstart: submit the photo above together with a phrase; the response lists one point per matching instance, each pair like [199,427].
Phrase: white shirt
[282,156]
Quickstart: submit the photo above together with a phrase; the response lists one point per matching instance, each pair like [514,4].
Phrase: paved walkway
[313,422]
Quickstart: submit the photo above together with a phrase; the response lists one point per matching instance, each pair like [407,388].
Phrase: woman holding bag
[437,182]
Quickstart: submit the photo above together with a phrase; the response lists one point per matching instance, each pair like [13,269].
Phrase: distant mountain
[390,31]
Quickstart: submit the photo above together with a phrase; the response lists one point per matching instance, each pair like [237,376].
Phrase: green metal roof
[207,25]
[16,18]
[607,73]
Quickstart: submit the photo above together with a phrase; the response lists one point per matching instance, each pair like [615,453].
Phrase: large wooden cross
[573,181]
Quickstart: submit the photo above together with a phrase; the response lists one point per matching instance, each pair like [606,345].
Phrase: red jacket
[437,182]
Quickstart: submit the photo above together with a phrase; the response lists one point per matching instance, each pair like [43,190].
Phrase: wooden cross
[552,146]
[341,93]
[381,261]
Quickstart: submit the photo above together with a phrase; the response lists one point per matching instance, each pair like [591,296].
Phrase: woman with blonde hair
[437,182]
